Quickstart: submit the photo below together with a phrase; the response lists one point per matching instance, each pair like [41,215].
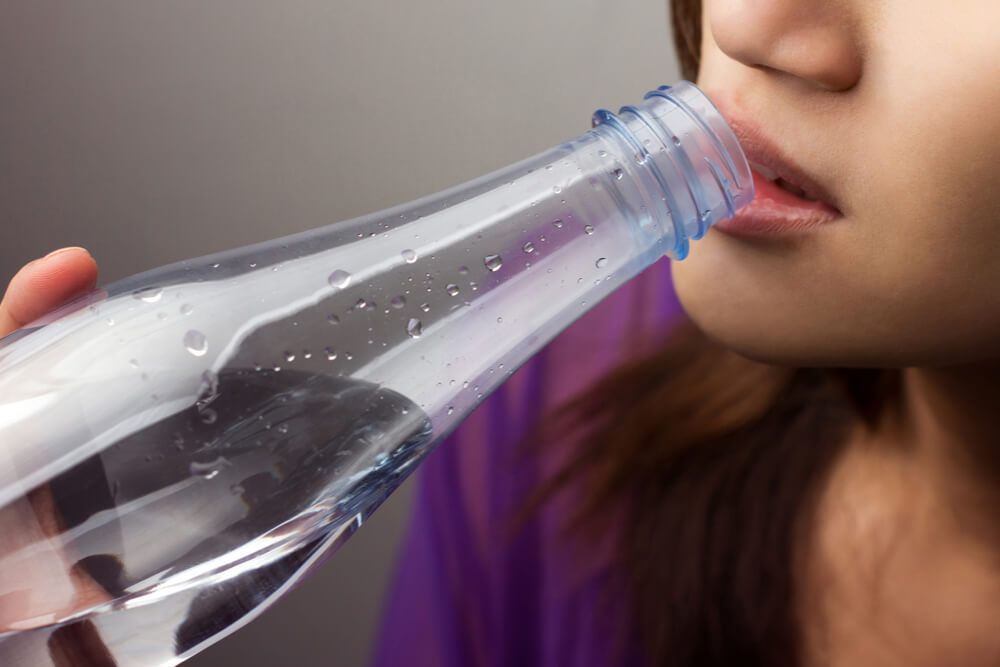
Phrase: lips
[773,177]
[786,197]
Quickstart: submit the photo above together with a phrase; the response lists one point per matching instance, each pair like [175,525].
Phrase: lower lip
[776,212]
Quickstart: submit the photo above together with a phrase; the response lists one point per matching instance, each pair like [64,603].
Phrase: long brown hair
[717,461]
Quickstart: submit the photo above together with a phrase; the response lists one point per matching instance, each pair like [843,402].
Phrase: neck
[947,420]
[954,409]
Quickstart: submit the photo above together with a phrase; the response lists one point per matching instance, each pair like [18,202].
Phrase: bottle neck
[469,282]
[686,161]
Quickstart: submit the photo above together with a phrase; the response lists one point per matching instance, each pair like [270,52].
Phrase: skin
[894,109]
[45,580]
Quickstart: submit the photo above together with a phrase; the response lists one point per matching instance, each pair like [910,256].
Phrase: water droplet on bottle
[676,140]
[451,409]
[528,247]
[601,262]
[493,262]
[463,270]
[332,319]
[186,309]
[640,158]
[348,356]
[289,356]
[196,343]
[602,153]
[414,328]
[306,354]
[277,369]
[618,173]
[556,189]
[426,307]
[397,302]
[331,354]
[473,286]
[452,289]
[409,255]
[557,224]
[149,294]
[282,428]
[134,363]
[340,279]
[499,320]
[110,321]
[588,229]
[216,265]
[361,304]
[209,416]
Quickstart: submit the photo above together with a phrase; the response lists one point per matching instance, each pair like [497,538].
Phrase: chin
[756,332]
[723,299]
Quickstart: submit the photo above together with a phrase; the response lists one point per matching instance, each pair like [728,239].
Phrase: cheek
[926,217]
[930,126]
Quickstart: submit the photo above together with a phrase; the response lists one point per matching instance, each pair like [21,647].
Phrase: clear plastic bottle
[184,445]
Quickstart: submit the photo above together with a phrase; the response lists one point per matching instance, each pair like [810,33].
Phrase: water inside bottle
[220,512]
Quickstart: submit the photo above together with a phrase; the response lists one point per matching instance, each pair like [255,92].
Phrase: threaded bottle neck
[693,170]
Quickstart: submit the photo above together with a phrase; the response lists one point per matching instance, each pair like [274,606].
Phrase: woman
[802,468]
[807,469]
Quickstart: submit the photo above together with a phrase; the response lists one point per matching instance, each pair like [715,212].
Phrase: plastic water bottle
[182,446]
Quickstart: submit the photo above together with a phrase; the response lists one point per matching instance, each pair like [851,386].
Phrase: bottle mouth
[693,157]
[704,113]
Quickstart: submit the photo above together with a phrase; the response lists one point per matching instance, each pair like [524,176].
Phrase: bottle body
[208,431]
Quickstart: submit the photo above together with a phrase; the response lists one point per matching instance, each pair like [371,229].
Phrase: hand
[35,576]
[45,284]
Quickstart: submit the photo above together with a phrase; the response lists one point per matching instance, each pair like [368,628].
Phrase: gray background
[155,131]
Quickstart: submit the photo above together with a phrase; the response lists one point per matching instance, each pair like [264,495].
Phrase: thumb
[45,284]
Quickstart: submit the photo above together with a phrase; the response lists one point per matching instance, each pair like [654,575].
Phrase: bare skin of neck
[902,563]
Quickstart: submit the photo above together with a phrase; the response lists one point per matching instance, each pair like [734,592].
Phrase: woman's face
[893,107]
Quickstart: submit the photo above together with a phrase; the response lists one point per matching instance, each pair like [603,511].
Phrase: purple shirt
[467,594]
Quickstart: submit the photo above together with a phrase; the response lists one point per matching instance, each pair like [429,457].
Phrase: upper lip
[760,149]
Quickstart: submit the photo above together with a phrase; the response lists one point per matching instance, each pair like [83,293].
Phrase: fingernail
[62,250]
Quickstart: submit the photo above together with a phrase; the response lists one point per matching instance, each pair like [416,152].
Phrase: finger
[45,284]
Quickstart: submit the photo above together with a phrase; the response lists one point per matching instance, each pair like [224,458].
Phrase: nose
[812,40]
